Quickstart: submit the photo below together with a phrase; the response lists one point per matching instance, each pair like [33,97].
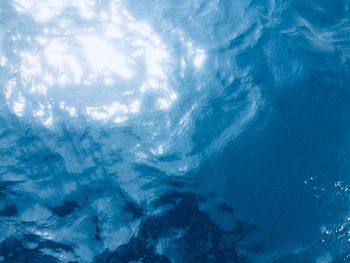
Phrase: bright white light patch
[199,58]
[19,105]
[66,65]
[103,56]
[102,70]
[3,61]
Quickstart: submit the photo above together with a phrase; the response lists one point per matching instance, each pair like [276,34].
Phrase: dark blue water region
[175,131]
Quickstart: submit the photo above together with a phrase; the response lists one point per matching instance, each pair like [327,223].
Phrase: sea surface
[175,131]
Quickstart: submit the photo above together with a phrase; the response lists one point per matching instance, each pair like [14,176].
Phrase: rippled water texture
[174,131]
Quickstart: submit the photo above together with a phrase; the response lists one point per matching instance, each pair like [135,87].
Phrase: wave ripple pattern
[174,131]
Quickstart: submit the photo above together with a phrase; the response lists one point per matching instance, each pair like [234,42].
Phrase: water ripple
[110,110]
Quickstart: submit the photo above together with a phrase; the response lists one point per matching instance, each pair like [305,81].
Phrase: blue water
[174,131]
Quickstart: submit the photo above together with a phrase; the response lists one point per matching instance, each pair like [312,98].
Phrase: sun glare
[102,64]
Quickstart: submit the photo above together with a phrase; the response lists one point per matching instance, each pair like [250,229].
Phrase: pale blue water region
[175,131]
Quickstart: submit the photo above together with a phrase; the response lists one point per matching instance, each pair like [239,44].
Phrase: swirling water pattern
[130,128]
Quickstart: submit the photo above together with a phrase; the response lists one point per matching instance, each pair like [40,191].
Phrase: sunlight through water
[117,60]
[85,63]
[174,131]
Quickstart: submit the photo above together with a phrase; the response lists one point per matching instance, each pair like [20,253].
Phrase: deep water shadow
[180,222]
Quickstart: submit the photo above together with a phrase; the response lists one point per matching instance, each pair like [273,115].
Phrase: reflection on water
[96,62]
[105,107]
[83,62]
[119,117]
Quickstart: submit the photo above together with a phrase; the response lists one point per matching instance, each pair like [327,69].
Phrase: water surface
[163,131]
